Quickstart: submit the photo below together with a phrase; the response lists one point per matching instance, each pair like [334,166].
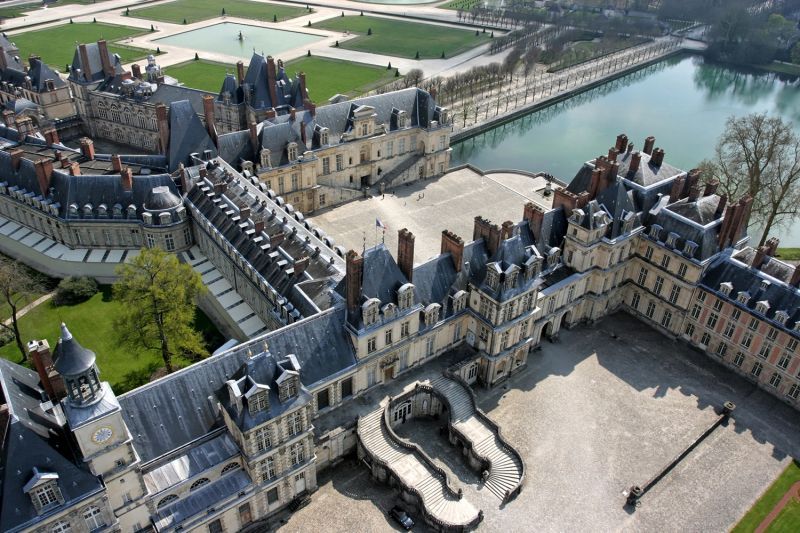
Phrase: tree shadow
[136,378]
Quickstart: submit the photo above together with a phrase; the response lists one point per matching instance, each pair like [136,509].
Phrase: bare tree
[759,155]
[17,286]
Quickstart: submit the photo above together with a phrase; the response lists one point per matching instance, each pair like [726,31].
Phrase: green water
[683,102]
[224,39]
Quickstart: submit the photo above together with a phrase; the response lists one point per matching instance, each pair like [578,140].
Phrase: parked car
[402,517]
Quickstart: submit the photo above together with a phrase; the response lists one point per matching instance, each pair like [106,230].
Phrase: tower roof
[72,358]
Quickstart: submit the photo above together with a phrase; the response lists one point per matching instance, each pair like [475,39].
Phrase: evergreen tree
[274,18]
[369,31]
[389,67]
[196,56]
[397,73]
[417,56]
[158,295]
[223,11]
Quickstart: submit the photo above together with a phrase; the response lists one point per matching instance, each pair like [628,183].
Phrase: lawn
[324,77]
[767,502]
[203,75]
[91,322]
[788,254]
[582,51]
[788,521]
[19,9]
[56,45]
[780,67]
[403,39]
[197,10]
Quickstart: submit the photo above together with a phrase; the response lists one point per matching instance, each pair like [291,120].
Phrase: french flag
[379,224]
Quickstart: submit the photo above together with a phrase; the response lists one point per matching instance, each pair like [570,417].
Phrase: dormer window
[87,211]
[726,288]
[369,311]
[493,276]
[43,490]
[258,402]
[288,380]
[291,151]
[765,284]
[532,267]
[762,307]
[405,296]
[511,279]
[743,297]
[266,158]
[432,314]
[389,310]
[577,216]
[324,136]
[689,248]
[672,238]
[552,256]
[364,129]
[655,231]
[782,316]
[459,301]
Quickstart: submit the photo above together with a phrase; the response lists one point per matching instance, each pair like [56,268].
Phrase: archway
[566,319]
[547,330]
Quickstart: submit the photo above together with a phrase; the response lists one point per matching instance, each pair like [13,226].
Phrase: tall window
[151,240]
[642,276]
[405,328]
[651,308]
[372,344]
[739,359]
[635,301]
[215,526]
[429,346]
[729,328]
[712,320]
[326,165]
[267,467]
[666,319]
[295,182]
[295,422]
[245,515]
[48,494]
[339,162]
[94,518]
[665,261]
[262,438]
[674,294]
[696,311]
[648,253]
[61,527]
[169,242]
[775,379]
[658,285]
[794,391]
[747,339]
[682,270]
[298,453]
[388,336]
[756,370]
[784,361]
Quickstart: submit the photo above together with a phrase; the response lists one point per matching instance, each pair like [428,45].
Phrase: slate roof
[95,65]
[180,408]
[287,91]
[781,296]
[72,359]
[33,439]
[187,135]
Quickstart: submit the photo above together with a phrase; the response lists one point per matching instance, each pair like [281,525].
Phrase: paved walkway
[792,493]
[24,310]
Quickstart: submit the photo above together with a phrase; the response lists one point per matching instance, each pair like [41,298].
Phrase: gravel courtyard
[605,407]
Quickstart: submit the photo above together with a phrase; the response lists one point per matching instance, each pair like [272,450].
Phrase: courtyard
[603,408]
[427,207]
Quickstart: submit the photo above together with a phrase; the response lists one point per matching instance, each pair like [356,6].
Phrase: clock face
[102,434]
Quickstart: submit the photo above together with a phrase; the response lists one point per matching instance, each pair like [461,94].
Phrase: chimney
[657,157]
[630,147]
[353,279]
[105,59]
[612,154]
[87,72]
[87,148]
[721,206]
[16,157]
[694,193]
[454,245]
[259,226]
[795,281]
[8,118]
[51,136]
[271,80]
[490,233]
[53,385]
[676,193]
[758,259]
[74,168]
[162,121]
[649,143]
[208,113]
[292,115]
[277,239]
[240,72]
[244,212]
[711,187]
[405,253]
[300,265]
[44,171]
[534,215]
[126,175]
[136,70]
[310,108]
[636,159]
[506,230]
[254,137]
[772,246]
[622,142]
[303,134]
[116,163]
[3,63]
[303,93]
[219,187]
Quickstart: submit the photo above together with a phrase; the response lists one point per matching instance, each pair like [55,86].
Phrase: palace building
[231,441]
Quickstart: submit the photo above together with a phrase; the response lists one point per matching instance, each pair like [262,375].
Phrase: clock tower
[94,418]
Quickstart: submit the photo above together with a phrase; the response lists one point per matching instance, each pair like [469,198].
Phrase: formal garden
[56,45]
[403,39]
[190,11]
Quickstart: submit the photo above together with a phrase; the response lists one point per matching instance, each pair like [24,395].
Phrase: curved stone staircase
[506,470]
[416,473]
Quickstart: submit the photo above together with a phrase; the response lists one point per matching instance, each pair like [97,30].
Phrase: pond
[224,38]
[683,102]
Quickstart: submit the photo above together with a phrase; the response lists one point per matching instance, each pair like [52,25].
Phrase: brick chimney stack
[44,172]
[758,259]
[657,158]
[353,279]
[490,233]
[271,80]
[772,246]
[84,54]
[506,230]
[3,62]
[240,72]
[622,142]
[163,128]
[454,245]
[723,200]
[208,114]
[649,143]
[16,157]
[51,136]
[136,70]
[300,265]
[116,163]
[105,60]
[405,253]
[711,187]
[53,385]
[612,154]
[126,175]
[694,192]
[795,281]
[254,137]
[534,215]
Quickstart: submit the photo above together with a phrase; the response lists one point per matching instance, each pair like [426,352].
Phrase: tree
[158,295]
[17,286]
[759,155]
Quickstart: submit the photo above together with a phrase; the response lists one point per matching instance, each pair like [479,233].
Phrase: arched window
[230,467]
[166,500]
[199,483]
[61,527]
[93,517]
